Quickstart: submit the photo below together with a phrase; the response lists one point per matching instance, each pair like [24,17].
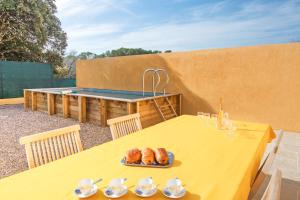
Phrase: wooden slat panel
[124,125]
[51,145]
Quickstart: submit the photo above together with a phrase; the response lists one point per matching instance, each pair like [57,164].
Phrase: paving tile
[286,163]
[289,147]
[288,154]
[289,189]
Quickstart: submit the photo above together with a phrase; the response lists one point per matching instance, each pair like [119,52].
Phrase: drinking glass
[214,118]
[203,115]
[228,124]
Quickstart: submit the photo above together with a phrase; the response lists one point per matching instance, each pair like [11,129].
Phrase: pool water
[114,93]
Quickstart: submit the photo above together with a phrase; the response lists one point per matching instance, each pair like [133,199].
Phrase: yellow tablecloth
[211,163]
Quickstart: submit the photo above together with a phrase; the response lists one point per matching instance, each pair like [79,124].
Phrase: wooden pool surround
[97,109]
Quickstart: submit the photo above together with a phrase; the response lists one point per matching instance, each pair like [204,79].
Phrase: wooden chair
[124,125]
[274,148]
[278,140]
[262,174]
[274,187]
[52,145]
[272,190]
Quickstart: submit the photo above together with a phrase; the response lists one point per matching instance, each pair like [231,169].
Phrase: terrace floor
[15,123]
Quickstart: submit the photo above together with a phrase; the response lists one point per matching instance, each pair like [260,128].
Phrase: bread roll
[161,156]
[133,156]
[147,156]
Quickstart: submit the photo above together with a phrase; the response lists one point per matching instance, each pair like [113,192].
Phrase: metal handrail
[153,80]
[154,86]
[167,79]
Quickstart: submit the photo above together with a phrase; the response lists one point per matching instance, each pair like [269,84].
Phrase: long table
[211,163]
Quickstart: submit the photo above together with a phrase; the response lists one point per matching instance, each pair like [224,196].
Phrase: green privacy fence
[16,76]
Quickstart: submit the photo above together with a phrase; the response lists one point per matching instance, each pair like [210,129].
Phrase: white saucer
[142,193]
[171,195]
[85,195]
[109,193]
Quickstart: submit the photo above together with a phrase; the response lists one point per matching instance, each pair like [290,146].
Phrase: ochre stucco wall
[260,83]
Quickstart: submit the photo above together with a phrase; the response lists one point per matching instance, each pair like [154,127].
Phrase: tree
[126,52]
[30,31]
[86,55]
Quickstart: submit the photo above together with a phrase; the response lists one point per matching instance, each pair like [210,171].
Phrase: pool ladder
[166,111]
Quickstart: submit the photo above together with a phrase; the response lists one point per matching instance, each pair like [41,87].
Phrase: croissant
[161,156]
[133,156]
[147,156]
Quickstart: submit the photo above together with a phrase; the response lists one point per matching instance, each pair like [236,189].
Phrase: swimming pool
[124,95]
[120,94]
[98,105]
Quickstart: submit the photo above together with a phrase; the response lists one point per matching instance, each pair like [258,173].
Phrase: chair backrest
[124,125]
[278,140]
[273,150]
[52,145]
[262,174]
[273,189]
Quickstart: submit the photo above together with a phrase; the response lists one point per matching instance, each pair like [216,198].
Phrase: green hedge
[16,76]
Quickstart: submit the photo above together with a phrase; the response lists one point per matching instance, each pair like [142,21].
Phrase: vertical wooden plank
[51,149]
[129,108]
[29,155]
[56,147]
[76,150]
[59,146]
[26,99]
[70,142]
[137,106]
[35,156]
[103,112]
[33,101]
[65,138]
[65,102]
[50,103]
[39,152]
[78,141]
[62,140]
[44,152]
[82,109]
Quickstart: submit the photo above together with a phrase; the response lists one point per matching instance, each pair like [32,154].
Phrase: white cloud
[71,8]
[252,24]
[86,31]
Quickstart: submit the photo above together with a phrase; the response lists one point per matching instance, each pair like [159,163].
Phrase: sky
[177,25]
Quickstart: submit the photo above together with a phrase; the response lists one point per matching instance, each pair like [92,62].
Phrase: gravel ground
[15,123]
